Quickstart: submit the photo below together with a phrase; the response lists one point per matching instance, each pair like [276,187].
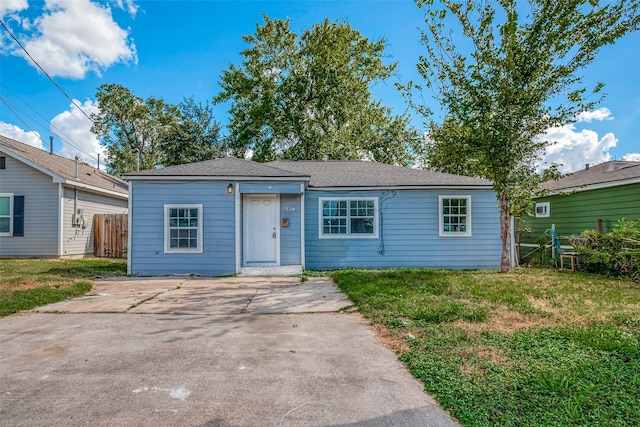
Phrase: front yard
[529,348]
[30,283]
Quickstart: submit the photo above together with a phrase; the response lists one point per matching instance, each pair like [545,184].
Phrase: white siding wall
[41,211]
[78,240]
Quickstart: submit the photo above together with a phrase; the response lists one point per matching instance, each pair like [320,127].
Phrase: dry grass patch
[504,320]
[395,340]
[29,284]
[476,359]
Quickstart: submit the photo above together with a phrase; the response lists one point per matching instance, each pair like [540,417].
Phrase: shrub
[542,256]
[616,253]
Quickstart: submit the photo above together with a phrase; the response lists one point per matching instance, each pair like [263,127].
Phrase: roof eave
[403,187]
[553,192]
[94,189]
[213,178]
[59,179]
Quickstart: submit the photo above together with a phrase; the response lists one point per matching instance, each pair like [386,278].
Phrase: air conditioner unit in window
[542,209]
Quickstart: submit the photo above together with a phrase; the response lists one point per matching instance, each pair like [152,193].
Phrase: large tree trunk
[505,232]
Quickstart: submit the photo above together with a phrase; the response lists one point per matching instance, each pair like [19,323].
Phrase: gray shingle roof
[372,174]
[613,172]
[63,167]
[224,167]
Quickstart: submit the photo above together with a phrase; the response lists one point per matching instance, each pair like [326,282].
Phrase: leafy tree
[308,97]
[195,138]
[129,126]
[512,76]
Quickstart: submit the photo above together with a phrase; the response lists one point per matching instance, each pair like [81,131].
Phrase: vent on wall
[3,162]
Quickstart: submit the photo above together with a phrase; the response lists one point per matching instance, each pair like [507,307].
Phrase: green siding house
[594,198]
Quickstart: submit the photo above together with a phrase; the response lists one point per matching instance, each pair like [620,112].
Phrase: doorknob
[274,233]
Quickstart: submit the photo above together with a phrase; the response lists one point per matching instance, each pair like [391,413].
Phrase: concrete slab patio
[193,295]
[160,353]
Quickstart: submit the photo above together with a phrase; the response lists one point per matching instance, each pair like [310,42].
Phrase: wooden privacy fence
[110,235]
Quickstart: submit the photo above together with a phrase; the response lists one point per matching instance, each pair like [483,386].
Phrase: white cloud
[75,37]
[574,148]
[631,157]
[74,130]
[27,137]
[128,5]
[10,6]
[600,114]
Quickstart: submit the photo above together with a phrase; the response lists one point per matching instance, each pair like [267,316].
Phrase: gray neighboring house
[47,202]
[231,216]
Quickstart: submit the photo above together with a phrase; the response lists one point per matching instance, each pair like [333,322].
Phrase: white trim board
[254,179]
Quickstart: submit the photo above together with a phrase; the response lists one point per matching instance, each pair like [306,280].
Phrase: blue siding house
[234,216]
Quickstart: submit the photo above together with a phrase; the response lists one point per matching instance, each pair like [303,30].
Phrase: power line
[64,137]
[19,118]
[45,73]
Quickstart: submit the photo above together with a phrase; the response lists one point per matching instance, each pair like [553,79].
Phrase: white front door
[261,232]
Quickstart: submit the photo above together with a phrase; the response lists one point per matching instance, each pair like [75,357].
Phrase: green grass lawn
[536,347]
[30,283]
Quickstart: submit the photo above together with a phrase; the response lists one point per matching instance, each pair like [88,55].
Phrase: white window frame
[167,234]
[348,235]
[10,216]
[547,210]
[443,233]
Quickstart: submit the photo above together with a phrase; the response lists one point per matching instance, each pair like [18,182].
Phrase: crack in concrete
[178,286]
[246,307]
[132,306]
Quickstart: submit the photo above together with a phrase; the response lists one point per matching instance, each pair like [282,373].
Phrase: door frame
[245,208]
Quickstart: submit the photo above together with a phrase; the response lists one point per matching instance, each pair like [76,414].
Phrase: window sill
[348,237]
[455,234]
[183,251]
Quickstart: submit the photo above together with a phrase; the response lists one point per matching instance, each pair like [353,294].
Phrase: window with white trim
[542,210]
[455,216]
[183,228]
[354,217]
[6,214]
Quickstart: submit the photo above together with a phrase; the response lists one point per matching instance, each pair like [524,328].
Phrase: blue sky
[176,49]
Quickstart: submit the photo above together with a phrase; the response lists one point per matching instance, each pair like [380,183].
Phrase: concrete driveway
[205,352]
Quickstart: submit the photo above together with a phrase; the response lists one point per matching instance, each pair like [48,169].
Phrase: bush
[541,256]
[616,253]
